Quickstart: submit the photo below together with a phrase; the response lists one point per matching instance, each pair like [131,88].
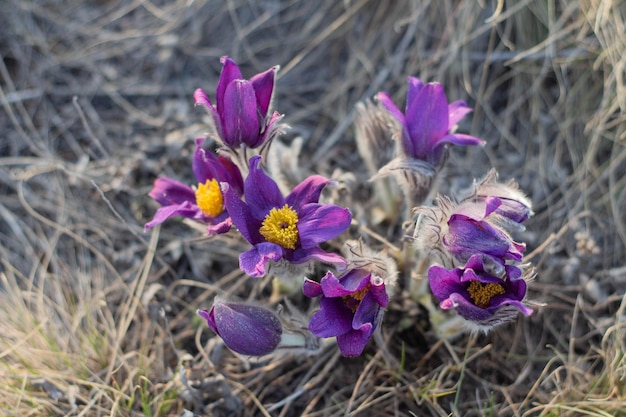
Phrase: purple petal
[230,72]
[367,312]
[456,139]
[378,291]
[444,282]
[427,119]
[385,99]
[263,85]
[457,110]
[202,99]
[227,171]
[167,192]
[240,214]
[352,343]
[269,128]
[311,288]
[240,121]
[184,209]
[254,261]
[465,308]
[301,255]
[261,192]
[220,226]
[203,163]
[415,87]
[468,235]
[333,319]
[245,329]
[321,222]
[353,281]
[308,191]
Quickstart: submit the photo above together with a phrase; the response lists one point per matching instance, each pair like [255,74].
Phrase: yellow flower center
[280,227]
[481,293]
[209,198]
[352,301]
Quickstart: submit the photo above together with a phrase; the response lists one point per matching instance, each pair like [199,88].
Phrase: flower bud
[244,328]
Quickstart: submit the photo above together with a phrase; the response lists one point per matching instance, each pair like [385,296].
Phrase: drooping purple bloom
[284,228]
[476,295]
[505,200]
[240,114]
[471,230]
[244,328]
[428,120]
[351,308]
[204,202]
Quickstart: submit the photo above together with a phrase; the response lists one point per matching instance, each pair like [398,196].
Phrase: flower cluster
[466,248]
[481,274]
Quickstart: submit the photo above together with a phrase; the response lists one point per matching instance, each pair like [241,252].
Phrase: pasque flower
[470,230]
[240,114]
[476,295]
[351,307]
[482,223]
[283,228]
[246,329]
[203,202]
[427,121]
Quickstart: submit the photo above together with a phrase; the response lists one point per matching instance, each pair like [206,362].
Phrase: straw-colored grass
[97,318]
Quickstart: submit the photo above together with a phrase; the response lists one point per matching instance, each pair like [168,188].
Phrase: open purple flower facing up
[351,308]
[240,114]
[244,328]
[428,120]
[284,228]
[203,203]
[482,299]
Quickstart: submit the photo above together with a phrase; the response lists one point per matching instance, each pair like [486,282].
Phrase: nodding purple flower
[428,120]
[204,202]
[351,308]
[244,328]
[482,223]
[479,297]
[240,114]
[284,228]
[470,231]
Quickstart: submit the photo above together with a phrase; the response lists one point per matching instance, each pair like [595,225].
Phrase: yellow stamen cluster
[280,227]
[209,198]
[353,300]
[481,293]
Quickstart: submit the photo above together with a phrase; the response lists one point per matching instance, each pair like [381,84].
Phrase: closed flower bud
[244,328]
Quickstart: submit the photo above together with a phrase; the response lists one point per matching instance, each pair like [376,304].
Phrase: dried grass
[97,317]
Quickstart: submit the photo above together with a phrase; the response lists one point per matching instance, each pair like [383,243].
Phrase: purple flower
[350,308]
[244,328]
[478,296]
[473,228]
[428,120]
[505,200]
[240,114]
[288,228]
[203,203]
